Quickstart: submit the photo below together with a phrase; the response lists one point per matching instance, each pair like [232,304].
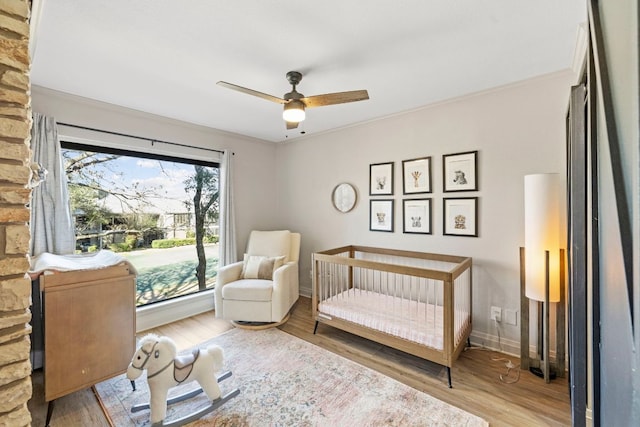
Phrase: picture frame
[460,171]
[460,216]
[381,179]
[416,175]
[381,215]
[416,216]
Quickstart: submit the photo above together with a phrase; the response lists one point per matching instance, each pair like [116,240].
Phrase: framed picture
[381,179]
[416,216]
[381,215]
[460,216]
[460,171]
[416,175]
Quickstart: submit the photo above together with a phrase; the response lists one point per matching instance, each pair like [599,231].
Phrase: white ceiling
[165,56]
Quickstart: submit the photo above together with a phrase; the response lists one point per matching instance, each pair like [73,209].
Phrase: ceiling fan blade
[335,98]
[252,92]
[291,125]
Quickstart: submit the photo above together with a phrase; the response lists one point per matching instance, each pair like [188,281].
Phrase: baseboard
[161,313]
[493,342]
[305,292]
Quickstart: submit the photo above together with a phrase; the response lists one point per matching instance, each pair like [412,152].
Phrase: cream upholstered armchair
[264,286]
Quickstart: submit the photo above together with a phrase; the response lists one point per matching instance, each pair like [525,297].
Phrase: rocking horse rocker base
[196,415]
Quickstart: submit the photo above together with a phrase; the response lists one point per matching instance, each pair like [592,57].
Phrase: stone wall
[15,288]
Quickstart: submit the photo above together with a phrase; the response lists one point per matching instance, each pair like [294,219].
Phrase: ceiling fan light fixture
[293,111]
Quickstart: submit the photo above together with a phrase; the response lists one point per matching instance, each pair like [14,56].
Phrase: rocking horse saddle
[183,365]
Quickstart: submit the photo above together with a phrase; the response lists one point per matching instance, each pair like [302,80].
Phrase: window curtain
[228,254]
[51,225]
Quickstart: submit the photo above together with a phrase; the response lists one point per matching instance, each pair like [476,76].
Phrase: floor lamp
[542,273]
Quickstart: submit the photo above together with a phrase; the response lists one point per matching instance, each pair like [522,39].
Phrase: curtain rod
[140,137]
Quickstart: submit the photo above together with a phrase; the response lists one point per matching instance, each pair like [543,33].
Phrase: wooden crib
[419,303]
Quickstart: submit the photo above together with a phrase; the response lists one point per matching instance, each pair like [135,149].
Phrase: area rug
[286,381]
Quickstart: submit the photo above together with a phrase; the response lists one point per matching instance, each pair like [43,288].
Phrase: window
[160,213]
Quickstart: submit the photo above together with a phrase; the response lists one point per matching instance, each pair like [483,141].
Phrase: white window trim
[160,313]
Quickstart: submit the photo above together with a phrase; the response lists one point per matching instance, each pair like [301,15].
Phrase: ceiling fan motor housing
[294,77]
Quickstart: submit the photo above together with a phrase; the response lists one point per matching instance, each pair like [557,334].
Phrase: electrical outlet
[511,317]
[496,314]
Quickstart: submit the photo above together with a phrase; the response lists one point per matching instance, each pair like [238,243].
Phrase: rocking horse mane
[150,339]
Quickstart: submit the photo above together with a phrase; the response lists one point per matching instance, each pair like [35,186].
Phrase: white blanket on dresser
[48,262]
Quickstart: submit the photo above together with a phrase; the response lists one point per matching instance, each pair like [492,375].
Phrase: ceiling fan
[295,102]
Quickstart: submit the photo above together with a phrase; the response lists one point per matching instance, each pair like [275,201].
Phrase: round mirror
[344,197]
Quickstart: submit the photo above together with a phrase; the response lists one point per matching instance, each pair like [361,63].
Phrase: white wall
[518,130]
[254,160]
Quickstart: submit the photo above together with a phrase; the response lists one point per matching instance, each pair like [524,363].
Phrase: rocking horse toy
[164,370]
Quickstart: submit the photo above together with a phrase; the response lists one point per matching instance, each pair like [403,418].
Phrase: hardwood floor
[477,386]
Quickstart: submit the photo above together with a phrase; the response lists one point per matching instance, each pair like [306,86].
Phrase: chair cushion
[270,243]
[248,290]
[260,267]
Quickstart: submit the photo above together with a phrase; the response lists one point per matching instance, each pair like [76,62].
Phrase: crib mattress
[416,321]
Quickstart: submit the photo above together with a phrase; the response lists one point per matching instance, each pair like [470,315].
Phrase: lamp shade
[542,233]
[293,111]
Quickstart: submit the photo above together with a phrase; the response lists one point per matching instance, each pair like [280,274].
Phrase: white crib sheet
[412,320]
